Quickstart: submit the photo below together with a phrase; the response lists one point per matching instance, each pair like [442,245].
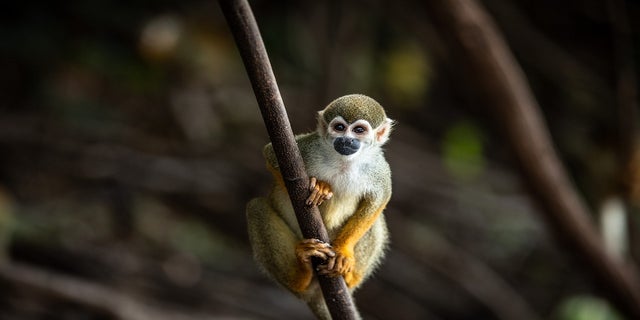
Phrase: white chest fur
[348,183]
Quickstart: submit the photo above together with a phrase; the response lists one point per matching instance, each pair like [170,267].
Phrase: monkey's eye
[339,127]
[359,129]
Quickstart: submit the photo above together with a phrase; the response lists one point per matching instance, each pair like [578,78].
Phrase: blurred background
[130,142]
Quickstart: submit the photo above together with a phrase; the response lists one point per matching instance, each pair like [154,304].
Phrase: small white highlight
[613,226]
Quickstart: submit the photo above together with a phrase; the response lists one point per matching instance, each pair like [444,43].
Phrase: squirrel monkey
[350,181]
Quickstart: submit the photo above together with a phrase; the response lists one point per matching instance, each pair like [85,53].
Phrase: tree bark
[254,55]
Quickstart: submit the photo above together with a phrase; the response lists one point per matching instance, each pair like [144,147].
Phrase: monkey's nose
[346,146]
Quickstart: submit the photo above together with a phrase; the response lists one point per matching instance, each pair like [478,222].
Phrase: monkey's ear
[384,130]
[322,125]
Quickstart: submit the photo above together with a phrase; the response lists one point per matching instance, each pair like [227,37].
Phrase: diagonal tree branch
[254,55]
[476,38]
[628,132]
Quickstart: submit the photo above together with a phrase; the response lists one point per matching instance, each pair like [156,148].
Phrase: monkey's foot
[320,191]
[308,248]
[342,264]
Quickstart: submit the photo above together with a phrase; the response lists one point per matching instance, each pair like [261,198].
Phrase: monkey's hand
[342,264]
[320,191]
[308,248]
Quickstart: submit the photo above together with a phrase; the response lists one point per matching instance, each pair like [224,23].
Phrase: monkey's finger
[309,200]
[306,255]
[322,254]
[340,264]
[326,196]
[315,244]
[326,249]
[307,244]
[329,251]
[312,183]
[302,256]
[331,263]
[317,254]
[323,271]
[318,198]
[312,241]
[312,198]
[348,267]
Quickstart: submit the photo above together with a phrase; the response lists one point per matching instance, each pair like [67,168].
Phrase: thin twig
[254,55]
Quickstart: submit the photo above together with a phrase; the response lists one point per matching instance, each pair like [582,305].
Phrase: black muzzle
[346,146]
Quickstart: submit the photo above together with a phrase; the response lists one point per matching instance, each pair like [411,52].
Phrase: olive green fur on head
[354,107]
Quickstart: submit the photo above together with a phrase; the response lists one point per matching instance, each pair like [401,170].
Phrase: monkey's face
[353,125]
[350,138]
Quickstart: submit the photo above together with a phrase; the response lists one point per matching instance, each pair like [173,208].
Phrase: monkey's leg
[279,250]
[369,253]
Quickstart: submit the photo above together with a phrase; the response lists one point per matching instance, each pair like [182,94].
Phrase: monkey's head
[354,123]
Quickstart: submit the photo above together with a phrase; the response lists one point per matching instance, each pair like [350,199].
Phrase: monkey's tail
[315,301]
[319,308]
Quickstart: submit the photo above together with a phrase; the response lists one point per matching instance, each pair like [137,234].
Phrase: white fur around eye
[359,130]
[335,122]
[363,124]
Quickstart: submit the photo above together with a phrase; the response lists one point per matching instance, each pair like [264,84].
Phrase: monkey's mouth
[346,146]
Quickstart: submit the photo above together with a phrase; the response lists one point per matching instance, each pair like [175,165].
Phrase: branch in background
[629,134]
[92,295]
[498,75]
[254,55]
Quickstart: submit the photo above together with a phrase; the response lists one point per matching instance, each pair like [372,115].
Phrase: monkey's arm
[320,190]
[356,226]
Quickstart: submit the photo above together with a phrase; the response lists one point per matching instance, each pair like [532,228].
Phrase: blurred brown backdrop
[130,141]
